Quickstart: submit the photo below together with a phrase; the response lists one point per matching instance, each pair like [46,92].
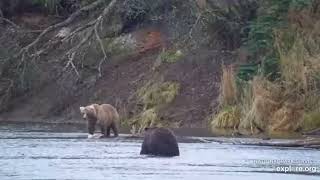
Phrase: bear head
[88,112]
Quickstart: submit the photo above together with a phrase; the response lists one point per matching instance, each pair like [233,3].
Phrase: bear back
[106,114]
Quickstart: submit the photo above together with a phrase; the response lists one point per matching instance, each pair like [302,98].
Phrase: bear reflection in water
[159,142]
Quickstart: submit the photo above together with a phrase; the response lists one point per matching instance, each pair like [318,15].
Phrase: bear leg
[108,131]
[114,129]
[144,148]
[103,131]
[91,128]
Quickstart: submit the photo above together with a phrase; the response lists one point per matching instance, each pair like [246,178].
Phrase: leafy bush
[260,41]
[171,56]
[158,94]
[229,22]
[311,121]
[12,7]
[135,10]
[49,5]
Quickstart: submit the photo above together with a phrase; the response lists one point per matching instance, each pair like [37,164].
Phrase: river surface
[36,155]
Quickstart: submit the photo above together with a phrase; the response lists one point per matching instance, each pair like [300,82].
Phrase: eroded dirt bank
[40,84]
[159,63]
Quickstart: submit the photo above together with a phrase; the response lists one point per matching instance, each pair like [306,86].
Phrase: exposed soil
[56,97]
[199,79]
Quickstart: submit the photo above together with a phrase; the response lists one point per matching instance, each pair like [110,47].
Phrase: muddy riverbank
[184,135]
[82,127]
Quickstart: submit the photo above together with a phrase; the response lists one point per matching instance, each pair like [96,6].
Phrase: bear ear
[146,129]
[82,109]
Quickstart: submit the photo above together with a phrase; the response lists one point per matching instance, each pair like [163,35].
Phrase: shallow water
[32,155]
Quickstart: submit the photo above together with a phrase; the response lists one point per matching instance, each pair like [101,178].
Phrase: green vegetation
[275,88]
[171,56]
[153,97]
[228,118]
[46,6]
[272,15]
[279,88]
[311,121]
[50,5]
[122,45]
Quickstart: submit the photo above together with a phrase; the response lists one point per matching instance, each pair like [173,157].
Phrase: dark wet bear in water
[159,142]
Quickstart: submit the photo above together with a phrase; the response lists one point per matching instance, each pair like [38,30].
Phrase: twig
[79,29]
[72,64]
[72,52]
[105,12]
[101,45]
[32,31]
[182,112]
[194,25]
[62,24]
[10,22]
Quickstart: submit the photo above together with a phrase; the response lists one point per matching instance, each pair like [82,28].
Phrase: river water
[36,155]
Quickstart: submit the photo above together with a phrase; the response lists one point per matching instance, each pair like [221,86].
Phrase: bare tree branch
[194,25]
[9,22]
[91,27]
[71,53]
[79,29]
[105,13]
[62,24]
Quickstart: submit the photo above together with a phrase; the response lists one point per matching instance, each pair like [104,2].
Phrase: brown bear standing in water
[105,115]
[159,142]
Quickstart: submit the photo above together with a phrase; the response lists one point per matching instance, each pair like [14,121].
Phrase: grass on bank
[153,96]
[291,102]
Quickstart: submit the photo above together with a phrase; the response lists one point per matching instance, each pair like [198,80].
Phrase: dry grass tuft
[292,59]
[228,94]
[153,96]
[274,108]
[158,94]
[288,118]
[291,102]
[229,118]
[265,102]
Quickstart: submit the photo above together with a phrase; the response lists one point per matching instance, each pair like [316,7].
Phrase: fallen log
[306,143]
[315,132]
